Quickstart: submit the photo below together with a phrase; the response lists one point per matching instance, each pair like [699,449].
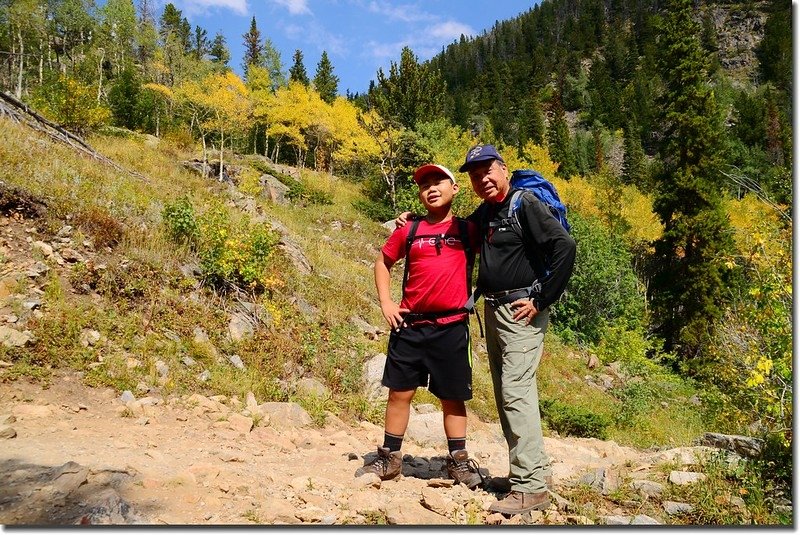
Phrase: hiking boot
[516,502]
[463,469]
[387,465]
[503,484]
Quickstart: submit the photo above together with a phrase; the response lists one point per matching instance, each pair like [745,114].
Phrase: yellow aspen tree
[288,117]
[163,96]
[350,140]
[190,96]
[259,83]
[228,100]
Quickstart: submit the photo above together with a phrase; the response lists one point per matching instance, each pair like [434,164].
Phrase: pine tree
[297,72]
[633,161]
[687,289]
[273,64]
[218,51]
[558,140]
[410,93]
[201,45]
[253,49]
[325,82]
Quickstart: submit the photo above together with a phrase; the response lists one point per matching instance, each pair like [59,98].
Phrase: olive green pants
[515,350]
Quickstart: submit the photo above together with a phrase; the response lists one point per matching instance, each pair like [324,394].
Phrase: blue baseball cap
[480,153]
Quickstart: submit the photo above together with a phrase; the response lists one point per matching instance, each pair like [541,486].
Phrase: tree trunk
[221,144]
[21,64]
[100,75]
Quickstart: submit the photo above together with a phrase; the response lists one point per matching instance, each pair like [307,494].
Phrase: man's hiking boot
[387,465]
[503,484]
[516,502]
[463,469]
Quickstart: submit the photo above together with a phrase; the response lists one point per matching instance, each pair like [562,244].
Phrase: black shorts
[440,352]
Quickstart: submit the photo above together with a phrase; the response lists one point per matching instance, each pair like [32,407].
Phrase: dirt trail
[79,456]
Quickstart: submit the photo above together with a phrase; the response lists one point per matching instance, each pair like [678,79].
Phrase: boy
[430,330]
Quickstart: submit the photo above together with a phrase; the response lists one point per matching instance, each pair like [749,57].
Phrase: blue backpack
[543,189]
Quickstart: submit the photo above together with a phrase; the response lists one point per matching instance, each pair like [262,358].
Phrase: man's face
[436,191]
[489,180]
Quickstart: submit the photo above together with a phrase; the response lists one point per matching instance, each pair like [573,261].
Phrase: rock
[240,423]
[426,429]
[236,360]
[426,408]
[677,508]
[13,338]
[306,308]
[372,376]
[162,368]
[127,396]
[371,332]
[71,255]
[366,481]
[739,444]
[644,520]
[204,376]
[37,270]
[685,478]
[45,248]
[64,231]
[274,189]
[433,500]
[89,337]
[7,432]
[188,361]
[241,326]
[624,520]
[649,489]
[68,477]
[200,336]
[6,419]
[293,252]
[110,509]
[289,414]
[592,362]
[402,513]
[312,387]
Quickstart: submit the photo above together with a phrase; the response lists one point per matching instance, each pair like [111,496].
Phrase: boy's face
[489,180]
[436,191]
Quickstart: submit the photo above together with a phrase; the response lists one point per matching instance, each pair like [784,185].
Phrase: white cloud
[295,7]
[203,6]
[316,35]
[404,12]
[448,31]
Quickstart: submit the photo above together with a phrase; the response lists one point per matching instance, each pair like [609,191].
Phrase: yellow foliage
[758,232]
[162,90]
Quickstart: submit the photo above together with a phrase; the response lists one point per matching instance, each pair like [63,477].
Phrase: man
[522,272]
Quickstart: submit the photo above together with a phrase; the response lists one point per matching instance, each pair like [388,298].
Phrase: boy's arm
[391,310]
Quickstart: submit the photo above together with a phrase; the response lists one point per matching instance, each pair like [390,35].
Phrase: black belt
[497,299]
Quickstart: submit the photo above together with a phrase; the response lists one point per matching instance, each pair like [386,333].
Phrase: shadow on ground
[38,495]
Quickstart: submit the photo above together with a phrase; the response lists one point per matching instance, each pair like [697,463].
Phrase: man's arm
[391,310]
[550,237]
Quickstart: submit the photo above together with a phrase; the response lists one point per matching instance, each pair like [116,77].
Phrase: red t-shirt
[437,277]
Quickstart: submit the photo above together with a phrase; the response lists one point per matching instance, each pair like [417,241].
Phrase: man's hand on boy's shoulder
[400,222]
[393,314]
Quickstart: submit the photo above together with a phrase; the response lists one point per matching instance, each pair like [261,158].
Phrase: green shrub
[180,221]
[303,194]
[375,210]
[603,289]
[572,420]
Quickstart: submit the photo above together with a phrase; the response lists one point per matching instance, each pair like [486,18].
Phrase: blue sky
[359,36]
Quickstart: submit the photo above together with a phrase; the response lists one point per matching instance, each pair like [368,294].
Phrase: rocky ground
[74,454]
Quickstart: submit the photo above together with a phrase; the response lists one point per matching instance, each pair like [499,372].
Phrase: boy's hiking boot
[502,484]
[387,465]
[517,503]
[463,469]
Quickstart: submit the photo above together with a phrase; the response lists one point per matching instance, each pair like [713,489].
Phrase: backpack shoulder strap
[412,232]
